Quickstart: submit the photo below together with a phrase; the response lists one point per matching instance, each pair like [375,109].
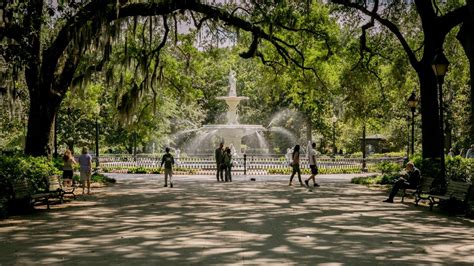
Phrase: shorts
[314,169]
[67,174]
[86,175]
[168,172]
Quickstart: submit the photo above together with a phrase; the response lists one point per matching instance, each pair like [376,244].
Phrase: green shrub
[367,180]
[32,169]
[459,169]
[388,178]
[137,170]
[388,167]
[101,178]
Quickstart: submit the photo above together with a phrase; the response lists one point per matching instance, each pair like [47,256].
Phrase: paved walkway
[204,222]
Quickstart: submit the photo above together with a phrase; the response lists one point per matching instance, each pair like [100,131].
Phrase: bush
[13,169]
[459,169]
[388,167]
[101,178]
[367,180]
[32,169]
[137,170]
[374,180]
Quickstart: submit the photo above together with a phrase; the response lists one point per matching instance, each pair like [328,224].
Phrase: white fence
[250,165]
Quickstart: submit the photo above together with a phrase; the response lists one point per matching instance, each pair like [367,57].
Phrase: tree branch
[387,23]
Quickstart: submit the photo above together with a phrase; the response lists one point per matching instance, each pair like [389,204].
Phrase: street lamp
[97,142]
[334,120]
[412,103]
[440,66]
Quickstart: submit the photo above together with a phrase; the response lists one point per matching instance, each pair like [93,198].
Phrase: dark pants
[400,183]
[228,174]
[220,172]
[296,169]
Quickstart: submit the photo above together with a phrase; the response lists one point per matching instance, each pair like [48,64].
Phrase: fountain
[232,132]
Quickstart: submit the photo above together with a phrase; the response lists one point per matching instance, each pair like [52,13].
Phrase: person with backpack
[168,161]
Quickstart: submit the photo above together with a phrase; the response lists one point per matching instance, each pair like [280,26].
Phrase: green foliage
[367,180]
[459,169]
[137,170]
[428,167]
[307,171]
[375,180]
[147,170]
[32,169]
[101,178]
[388,167]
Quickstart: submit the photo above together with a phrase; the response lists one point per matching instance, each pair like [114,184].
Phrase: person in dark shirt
[168,161]
[220,162]
[228,164]
[412,180]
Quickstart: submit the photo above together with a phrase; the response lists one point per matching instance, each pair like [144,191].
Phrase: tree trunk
[429,112]
[43,109]
[466,38]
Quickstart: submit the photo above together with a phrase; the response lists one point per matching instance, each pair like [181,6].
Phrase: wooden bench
[69,190]
[469,202]
[22,190]
[457,190]
[421,192]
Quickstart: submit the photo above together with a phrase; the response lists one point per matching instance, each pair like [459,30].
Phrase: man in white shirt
[312,165]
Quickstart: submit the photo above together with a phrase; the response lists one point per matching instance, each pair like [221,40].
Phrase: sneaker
[171,185]
[165,185]
[388,200]
[316,185]
[307,183]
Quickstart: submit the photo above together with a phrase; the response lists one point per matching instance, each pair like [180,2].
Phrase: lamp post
[334,120]
[412,103]
[55,136]
[97,142]
[440,66]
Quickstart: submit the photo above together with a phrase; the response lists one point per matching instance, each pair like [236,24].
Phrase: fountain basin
[232,134]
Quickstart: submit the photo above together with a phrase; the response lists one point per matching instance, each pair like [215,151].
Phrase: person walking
[68,171]
[312,165]
[219,154]
[228,164]
[85,163]
[295,164]
[168,161]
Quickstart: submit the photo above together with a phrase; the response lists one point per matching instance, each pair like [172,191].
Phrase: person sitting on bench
[412,180]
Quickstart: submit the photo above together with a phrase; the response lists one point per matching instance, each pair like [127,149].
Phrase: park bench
[69,190]
[455,190]
[22,190]
[469,202]
[421,192]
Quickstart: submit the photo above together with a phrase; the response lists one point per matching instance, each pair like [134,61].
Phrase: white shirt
[312,157]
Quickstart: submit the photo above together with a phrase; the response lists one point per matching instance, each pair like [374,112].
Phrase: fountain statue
[232,81]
